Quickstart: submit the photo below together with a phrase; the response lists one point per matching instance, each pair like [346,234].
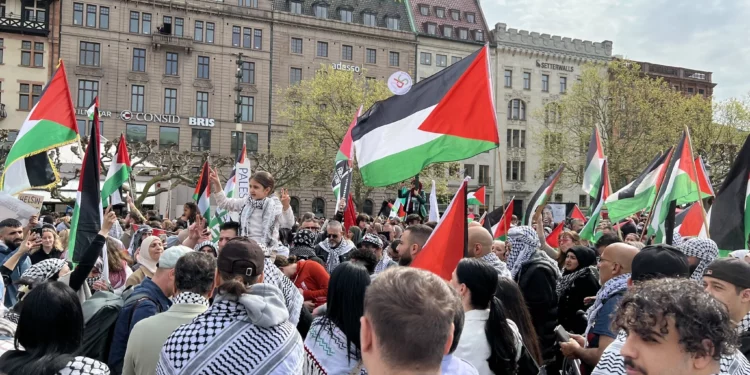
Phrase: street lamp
[238,89]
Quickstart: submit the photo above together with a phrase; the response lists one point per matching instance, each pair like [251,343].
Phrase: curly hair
[697,316]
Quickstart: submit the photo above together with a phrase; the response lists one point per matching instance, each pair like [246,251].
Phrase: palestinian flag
[448,242]
[703,184]
[541,197]
[93,107]
[118,174]
[447,117]
[639,194]
[589,231]
[577,214]
[86,221]
[202,194]
[342,168]
[237,186]
[594,161]
[350,214]
[498,222]
[476,198]
[732,204]
[553,238]
[689,222]
[397,209]
[679,185]
[50,124]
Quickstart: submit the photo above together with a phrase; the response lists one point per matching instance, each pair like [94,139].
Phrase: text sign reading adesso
[350,68]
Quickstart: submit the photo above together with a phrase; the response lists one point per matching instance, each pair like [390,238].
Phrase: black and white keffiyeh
[208,243]
[372,239]
[383,263]
[524,242]
[677,240]
[703,249]
[84,366]
[611,287]
[497,264]
[744,324]
[270,208]
[45,269]
[292,297]
[257,204]
[334,253]
[190,298]
[566,280]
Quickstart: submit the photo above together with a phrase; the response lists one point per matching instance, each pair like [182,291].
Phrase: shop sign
[82,112]
[565,68]
[350,68]
[149,117]
[198,121]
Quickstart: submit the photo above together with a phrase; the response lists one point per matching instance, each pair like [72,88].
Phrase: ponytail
[501,339]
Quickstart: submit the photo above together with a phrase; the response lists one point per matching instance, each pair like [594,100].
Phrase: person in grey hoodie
[246,330]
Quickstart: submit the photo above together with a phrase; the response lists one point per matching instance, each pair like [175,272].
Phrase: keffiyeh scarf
[271,210]
[524,242]
[744,324]
[335,252]
[703,249]
[209,243]
[564,282]
[383,264]
[326,350]
[190,298]
[44,270]
[292,296]
[611,287]
[497,264]
[138,237]
[372,239]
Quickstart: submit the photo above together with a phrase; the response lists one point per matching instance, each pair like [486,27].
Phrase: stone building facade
[688,81]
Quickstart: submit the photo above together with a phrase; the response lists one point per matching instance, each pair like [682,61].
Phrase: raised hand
[285,199]
[213,176]
[32,242]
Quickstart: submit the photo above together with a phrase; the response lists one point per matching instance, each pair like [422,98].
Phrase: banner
[13,208]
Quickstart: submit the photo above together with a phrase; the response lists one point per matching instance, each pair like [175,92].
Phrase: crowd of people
[279,292]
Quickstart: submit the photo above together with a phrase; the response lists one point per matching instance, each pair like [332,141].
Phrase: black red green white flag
[342,168]
[202,194]
[729,216]
[639,194]
[594,161]
[541,196]
[589,231]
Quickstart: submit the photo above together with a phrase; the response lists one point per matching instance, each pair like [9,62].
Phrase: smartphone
[38,231]
[562,334]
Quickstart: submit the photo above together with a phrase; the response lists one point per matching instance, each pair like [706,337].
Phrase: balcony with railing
[161,40]
[24,23]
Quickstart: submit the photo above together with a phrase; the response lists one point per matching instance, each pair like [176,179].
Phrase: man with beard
[333,250]
[11,232]
[412,242]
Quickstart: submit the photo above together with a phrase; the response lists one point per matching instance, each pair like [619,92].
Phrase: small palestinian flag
[553,238]
[117,175]
[689,222]
[476,198]
[447,117]
[342,166]
[639,194]
[594,161]
[202,194]
[577,214]
[498,222]
[589,231]
[397,209]
[93,107]
[730,210]
[542,195]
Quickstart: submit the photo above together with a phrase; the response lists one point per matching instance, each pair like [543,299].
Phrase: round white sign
[400,83]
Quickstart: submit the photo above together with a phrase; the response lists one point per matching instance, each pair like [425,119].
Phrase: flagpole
[661,181]
[500,173]
[698,184]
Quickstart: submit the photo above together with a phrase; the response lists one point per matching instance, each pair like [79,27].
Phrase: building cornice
[329,25]
[553,46]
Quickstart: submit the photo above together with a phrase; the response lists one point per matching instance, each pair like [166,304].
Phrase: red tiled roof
[464,6]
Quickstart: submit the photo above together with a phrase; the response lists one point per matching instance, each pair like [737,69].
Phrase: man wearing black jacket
[728,280]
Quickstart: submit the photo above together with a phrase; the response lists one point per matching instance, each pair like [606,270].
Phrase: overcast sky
[709,35]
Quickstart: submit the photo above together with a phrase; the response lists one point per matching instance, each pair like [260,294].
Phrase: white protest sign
[558,211]
[32,200]
[13,208]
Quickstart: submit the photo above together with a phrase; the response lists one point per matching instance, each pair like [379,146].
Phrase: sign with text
[544,65]
[32,200]
[242,179]
[13,208]
[149,117]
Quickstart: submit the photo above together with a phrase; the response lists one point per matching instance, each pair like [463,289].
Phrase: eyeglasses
[334,236]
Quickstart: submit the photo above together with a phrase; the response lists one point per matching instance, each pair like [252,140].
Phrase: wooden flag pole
[695,173]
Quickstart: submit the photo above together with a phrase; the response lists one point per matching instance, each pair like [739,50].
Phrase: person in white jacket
[489,341]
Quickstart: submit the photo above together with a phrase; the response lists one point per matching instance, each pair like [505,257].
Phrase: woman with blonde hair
[49,249]
[64,236]
[118,262]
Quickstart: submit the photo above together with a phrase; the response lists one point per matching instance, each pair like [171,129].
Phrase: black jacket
[745,344]
[537,280]
[571,302]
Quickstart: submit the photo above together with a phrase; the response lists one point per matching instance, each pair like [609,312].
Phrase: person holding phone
[50,248]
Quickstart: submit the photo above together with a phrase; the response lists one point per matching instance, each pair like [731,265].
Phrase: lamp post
[237,99]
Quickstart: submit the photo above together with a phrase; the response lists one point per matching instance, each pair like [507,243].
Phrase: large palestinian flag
[728,216]
[447,117]
[639,194]
[342,168]
[117,175]
[541,197]
[589,231]
[476,198]
[594,161]
[202,194]
[50,124]
[701,180]
[689,222]
[498,222]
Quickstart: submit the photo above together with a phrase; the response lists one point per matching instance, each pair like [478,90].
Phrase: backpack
[100,314]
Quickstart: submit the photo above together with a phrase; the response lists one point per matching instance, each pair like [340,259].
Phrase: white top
[473,346]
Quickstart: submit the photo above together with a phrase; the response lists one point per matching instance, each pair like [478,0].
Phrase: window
[545,82]
[690,90]
[251,140]
[198,33]
[441,60]
[134,21]
[393,58]
[320,10]
[463,34]
[171,68]
[515,170]
[294,204]
[456,15]
[170,101]
[367,208]
[295,7]
[137,98]
[89,54]
[295,76]
[582,200]
[424,10]
[135,133]
[201,140]
[484,174]
[104,17]
[168,137]
[210,26]
[558,198]
[563,85]
[346,15]
[26,53]
[297,45]
[28,96]
[371,56]
[248,3]
[455,59]
[508,78]
[392,23]
[425,58]
[146,23]
[87,91]
[248,72]
[516,138]
[203,67]
[431,28]
[448,31]
[469,170]
[516,110]
[440,12]
[77,14]
[322,49]
[479,36]
[319,207]
[470,18]
[346,52]
[247,37]
[247,104]
[258,41]
[179,27]
[700,91]
[236,30]
[369,19]
[201,104]
[526,81]
[139,60]
[38,55]
[90,15]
